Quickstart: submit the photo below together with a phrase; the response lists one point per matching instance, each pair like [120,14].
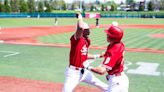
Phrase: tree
[102,7]
[92,7]
[162,4]
[31,6]
[141,6]
[73,7]
[1,6]
[14,5]
[7,7]
[23,6]
[48,6]
[64,6]
[40,7]
[55,5]
[83,7]
[150,6]
[129,2]
[113,6]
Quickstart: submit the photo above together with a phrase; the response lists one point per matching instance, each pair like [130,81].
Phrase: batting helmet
[115,33]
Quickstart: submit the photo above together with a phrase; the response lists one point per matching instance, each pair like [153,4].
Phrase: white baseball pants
[118,83]
[73,77]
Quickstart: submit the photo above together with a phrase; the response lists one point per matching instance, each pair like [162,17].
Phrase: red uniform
[114,60]
[79,51]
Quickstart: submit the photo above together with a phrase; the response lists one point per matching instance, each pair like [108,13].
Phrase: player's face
[109,39]
[86,33]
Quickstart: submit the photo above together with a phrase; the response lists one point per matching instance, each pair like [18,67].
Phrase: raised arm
[79,30]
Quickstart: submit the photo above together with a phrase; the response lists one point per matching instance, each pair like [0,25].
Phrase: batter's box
[8,53]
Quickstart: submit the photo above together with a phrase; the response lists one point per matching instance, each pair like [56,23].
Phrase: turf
[25,22]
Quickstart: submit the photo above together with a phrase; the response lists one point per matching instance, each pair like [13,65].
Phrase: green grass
[40,63]
[26,22]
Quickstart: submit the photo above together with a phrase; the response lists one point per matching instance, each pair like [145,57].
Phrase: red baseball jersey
[114,58]
[79,51]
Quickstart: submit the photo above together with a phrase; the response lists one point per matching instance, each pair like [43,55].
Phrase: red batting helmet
[115,33]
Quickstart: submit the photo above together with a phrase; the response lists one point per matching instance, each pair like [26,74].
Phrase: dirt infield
[12,84]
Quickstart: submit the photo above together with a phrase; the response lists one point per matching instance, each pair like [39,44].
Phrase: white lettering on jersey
[107,60]
[84,50]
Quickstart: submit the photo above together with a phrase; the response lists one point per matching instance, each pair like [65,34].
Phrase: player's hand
[102,54]
[87,63]
[97,56]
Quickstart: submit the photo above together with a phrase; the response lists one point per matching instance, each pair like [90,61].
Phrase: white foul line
[11,53]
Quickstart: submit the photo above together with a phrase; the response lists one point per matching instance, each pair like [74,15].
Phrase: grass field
[21,22]
[48,63]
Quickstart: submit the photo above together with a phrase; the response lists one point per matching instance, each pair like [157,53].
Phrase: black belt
[77,68]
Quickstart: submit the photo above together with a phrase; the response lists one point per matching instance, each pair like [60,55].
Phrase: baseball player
[114,61]
[75,71]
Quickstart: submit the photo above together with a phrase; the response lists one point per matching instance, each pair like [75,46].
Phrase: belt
[114,75]
[117,74]
[75,68]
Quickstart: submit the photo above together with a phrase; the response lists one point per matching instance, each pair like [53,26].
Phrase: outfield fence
[71,15]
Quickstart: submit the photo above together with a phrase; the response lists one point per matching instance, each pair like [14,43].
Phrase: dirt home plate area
[28,35]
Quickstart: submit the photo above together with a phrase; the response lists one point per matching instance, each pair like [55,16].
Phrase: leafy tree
[64,6]
[102,7]
[113,6]
[150,6]
[7,7]
[55,5]
[92,7]
[14,5]
[31,6]
[48,6]
[73,7]
[129,2]
[23,6]
[141,6]
[1,6]
[162,4]
[83,7]
[58,4]
[40,7]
